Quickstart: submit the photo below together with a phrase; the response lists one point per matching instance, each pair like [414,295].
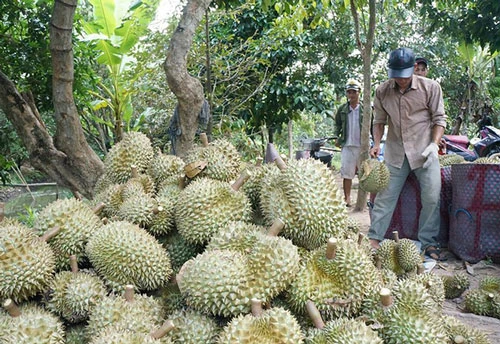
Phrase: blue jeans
[386,200]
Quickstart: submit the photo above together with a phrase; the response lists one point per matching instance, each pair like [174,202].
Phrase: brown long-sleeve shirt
[410,117]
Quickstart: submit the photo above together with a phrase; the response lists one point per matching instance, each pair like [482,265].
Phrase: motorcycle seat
[459,139]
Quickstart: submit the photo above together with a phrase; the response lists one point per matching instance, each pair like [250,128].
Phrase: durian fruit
[337,278]
[399,255]
[73,294]
[29,324]
[485,160]
[179,250]
[165,166]
[77,222]
[434,285]
[192,327]
[253,185]
[374,176]
[134,149]
[76,334]
[139,182]
[450,159]
[134,312]
[460,333]
[274,325]
[490,284]
[206,205]
[122,253]
[273,261]
[223,161]
[171,299]
[119,335]
[138,209]
[455,285]
[163,221]
[479,302]
[27,262]
[339,331]
[408,255]
[217,282]
[111,197]
[304,194]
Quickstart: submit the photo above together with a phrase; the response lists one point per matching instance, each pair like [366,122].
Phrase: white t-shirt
[353,137]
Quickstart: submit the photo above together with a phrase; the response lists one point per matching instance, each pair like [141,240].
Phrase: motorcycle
[315,148]
[486,145]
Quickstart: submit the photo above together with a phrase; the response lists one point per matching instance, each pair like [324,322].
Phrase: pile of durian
[212,250]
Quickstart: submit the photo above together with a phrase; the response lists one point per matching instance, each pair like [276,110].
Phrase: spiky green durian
[76,220]
[490,284]
[434,285]
[165,166]
[408,255]
[222,158]
[344,331]
[486,160]
[119,335]
[139,183]
[479,301]
[205,206]
[163,221]
[123,253]
[305,196]
[253,186]
[373,176]
[111,198]
[455,285]
[134,149]
[73,295]
[457,329]
[138,209]
[171,298]
[272,261]
[192,327]
[275,325]
[387,257]
[336,282]
[29,324]
[134,312]
[179,250]
[412,296]
[77,334]
[217,282]
[27,263]
[450,159]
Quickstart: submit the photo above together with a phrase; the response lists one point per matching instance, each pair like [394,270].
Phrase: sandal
[435,253]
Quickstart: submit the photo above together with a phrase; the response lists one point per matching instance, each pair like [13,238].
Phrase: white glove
[431,153]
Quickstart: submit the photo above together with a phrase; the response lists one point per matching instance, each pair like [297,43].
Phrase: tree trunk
[366,53]
[67,159]
[187,89]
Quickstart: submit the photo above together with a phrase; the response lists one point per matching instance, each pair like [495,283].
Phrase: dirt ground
[489,325]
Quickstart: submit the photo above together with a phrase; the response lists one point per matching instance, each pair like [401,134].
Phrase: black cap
[421,60]
[401,63]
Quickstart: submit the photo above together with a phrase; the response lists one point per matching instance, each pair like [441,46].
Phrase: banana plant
[116,27]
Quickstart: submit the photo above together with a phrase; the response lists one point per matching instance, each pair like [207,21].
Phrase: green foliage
[28,217]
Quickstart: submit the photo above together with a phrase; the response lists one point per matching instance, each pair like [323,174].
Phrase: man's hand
[431,153]
[375,151]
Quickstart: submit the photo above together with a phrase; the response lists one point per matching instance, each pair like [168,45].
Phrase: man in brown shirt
[413,109]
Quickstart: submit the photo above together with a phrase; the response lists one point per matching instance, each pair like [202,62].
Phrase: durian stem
[133,171]
[157,209]
[378,262]
[385,297]
[98,208]
[163,330]
[50,234]
[258,161]
[315,315]
[459,339]
[361,236]
[11,308]
[182,182]
[129,293]
[241,180]
[104,220]
[276,227]
[420,269]
[331,248]
[272,155]
[395,235]
[73,262]
[257,309]
[204,139]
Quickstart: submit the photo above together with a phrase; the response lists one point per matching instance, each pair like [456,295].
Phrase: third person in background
[421,66]
[348,121]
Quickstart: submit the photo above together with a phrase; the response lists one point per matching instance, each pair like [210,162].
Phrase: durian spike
[420,269]
[385,297]
[331,248]
[50,234]
[361,236]
[272,155]
[134,171]
[276,227]
[257,308]
[163,330]
[395,235]
[204,139]
[11,308]
[98,208]
[73,262]
[241,180]
[129,293]
[459,339]
[315,315]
